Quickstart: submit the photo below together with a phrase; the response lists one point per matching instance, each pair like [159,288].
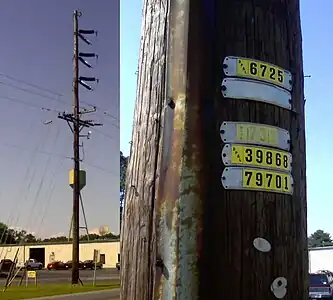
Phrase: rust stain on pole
[179,206]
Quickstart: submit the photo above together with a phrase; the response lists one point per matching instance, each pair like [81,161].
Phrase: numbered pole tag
[238,88]
[259,70]
[252,133]
[262,157]
[253,179]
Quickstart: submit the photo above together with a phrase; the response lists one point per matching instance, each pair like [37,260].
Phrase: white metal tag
[255,134]
[259,70]
[255,179]
[238,88]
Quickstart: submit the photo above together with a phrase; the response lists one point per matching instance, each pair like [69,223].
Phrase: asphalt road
[45,276]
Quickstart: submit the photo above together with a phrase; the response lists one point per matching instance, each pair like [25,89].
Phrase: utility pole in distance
[77,125]
[216,183]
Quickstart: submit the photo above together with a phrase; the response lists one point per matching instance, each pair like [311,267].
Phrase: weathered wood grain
[138,240]
[267,30]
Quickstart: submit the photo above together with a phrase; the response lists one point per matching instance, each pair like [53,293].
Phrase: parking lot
[86,276]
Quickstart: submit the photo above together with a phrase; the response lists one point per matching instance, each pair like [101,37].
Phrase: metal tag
[262,244]
[238,88]
[253,156]
[253,179]
[259,70]
[253,133]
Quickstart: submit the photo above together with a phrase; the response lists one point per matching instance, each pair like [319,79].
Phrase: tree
[56,239]
[188,235]
[30,239]
[12,236]
[7,235]
[123,170]
[320,238]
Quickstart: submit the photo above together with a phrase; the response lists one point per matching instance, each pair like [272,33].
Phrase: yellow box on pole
[82,178]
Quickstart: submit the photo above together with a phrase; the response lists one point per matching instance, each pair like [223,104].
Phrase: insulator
[82,54]
[84,39]
[87,31]
[85,85]
[82,78]
[85,62]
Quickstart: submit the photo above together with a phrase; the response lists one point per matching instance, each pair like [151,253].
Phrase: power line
[34,93]
[59,95]
[56,155]
[51,110]
[28,104]
[20,197]
[31,84]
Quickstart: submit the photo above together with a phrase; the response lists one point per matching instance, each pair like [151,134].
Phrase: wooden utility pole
[76,124]
[76,149]
[216,183]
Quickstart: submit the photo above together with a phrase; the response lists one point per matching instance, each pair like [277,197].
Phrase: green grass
[44,290]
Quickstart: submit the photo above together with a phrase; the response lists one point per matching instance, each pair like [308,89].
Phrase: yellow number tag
[266,180]
[260,71]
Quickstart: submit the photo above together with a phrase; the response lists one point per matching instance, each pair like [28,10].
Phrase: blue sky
[317,24]
[37,47]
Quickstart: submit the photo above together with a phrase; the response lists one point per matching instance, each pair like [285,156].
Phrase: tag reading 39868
[262,157]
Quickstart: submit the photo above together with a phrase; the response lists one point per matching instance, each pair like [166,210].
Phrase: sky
[35,76]
[317,24]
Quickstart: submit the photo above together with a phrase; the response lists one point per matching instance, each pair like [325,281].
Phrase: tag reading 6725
[258,70]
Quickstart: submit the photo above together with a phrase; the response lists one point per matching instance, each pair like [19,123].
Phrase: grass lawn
[15,292]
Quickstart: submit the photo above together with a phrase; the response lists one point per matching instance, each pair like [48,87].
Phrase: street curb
[74,294]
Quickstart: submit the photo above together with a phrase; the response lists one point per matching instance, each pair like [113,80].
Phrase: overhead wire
[41,183]
[29,104]
[21,241]
[53,186]
[30,84]
[59,95]
[52,110]
[10,224]
[34,93]
[58,99]
[19,196]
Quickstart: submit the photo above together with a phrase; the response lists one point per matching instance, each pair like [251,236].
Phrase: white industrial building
[320,258]
[48,252]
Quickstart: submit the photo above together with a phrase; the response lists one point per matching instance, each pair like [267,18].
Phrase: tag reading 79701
[238,178]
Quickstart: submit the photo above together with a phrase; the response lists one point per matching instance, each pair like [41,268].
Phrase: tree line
[11,236]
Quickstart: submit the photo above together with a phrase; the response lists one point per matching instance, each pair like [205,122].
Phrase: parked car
[81,265]
[57,265]
[327,272]
[6,264]
[33,264]
[118,265]
[320,286]
[90,264]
